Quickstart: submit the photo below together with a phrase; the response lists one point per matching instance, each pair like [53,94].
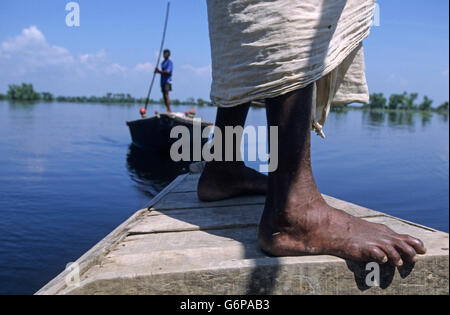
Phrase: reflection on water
[22,105]
[400,118]
[426,119]
[152,172]
[376,118]
[396,119]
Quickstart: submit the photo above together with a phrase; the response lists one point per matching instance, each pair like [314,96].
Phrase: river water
[68,176]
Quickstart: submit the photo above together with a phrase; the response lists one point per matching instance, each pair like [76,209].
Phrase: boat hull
[153,134]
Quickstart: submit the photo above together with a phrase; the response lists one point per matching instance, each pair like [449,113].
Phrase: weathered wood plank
[200,219]
[189,184]
[167,189]
[215,218]
[350,208]
[189,200]
[233,255]
[246,237]
[275,276]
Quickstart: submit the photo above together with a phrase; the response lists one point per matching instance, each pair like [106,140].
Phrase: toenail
[400,263]
[385,259]
[415,258]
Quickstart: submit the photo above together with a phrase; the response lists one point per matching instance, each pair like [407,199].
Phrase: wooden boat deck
[181,245]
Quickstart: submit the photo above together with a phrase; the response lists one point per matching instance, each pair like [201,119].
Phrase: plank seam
[166,190]
[208,206]
[193,229]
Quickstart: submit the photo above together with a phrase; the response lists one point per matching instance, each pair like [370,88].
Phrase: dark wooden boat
[153,134]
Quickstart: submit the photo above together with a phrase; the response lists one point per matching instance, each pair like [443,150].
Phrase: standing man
[166,78]
[299,57]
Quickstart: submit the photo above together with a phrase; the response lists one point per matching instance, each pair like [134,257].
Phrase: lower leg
[296,219]
[226,179]
[167,101]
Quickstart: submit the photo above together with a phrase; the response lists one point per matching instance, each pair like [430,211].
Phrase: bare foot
[315,228]
[223,180]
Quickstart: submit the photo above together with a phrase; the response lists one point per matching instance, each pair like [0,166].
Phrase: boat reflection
[152,171]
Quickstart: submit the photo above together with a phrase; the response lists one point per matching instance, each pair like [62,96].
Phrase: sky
[116,45]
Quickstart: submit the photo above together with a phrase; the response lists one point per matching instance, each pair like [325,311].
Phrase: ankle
[299,212]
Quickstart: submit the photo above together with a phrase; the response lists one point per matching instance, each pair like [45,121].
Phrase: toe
[394,257]
[376,254]
[407,252]
[415,243]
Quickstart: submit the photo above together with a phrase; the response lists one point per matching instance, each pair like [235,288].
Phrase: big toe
[417,244]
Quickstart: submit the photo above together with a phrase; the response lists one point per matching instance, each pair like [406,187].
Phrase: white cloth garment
[266,48]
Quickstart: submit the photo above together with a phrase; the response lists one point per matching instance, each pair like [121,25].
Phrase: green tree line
[26,92]
[404,101]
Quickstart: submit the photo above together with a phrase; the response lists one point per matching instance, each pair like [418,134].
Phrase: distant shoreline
[336,108]
[378,102]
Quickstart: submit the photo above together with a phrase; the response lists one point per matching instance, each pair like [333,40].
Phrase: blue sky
[115,47]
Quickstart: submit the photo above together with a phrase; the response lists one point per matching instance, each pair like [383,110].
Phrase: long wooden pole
[159,55]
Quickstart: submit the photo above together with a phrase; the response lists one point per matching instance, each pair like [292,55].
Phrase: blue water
[68,176]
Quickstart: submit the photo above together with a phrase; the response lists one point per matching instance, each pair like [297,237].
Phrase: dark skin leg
[167,101]
[227,179]
[296,219]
